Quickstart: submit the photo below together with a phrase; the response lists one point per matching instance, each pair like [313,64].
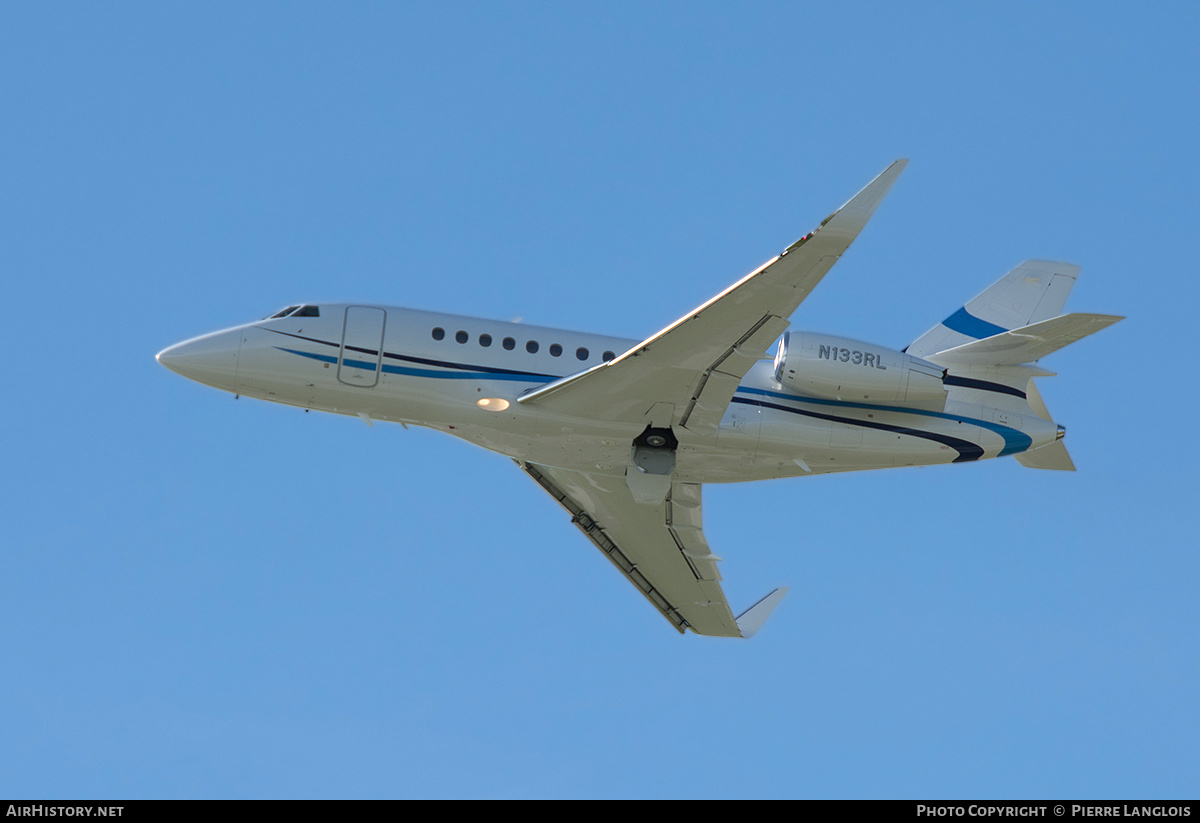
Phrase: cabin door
[361,354]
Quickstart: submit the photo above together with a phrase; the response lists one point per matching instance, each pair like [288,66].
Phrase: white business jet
[622,433]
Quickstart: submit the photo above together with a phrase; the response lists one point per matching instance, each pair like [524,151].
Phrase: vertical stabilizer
[1053,457]
[1032,292]
[1036,403]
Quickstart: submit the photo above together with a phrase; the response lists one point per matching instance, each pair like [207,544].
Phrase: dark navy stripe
[501,373]
[982,385]
[966,323]
[369,365]
[967,450]
[1014,441]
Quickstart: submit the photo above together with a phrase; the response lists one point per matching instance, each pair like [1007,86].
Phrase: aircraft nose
[211,359]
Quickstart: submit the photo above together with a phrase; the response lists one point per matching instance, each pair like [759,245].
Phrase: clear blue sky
[206,597]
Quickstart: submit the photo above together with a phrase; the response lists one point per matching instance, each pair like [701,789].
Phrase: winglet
[752,619]
[850,219]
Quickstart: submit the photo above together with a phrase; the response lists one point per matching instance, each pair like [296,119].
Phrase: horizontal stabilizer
[1053,457]
[1027,343]
[751,620]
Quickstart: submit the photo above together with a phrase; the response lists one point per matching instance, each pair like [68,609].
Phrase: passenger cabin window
[485,340]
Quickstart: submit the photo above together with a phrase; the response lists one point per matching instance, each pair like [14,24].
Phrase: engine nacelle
[838,368]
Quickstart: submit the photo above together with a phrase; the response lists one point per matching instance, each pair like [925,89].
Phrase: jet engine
[839,368]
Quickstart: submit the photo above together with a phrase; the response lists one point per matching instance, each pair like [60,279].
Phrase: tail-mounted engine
[838,368]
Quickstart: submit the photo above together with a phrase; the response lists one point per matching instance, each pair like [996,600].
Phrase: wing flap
[683,523]
[716,386]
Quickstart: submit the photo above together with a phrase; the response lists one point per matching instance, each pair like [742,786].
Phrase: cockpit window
[308,311]
[283,313]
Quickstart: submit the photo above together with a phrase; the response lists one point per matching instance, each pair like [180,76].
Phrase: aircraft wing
[694,365]
[660,549]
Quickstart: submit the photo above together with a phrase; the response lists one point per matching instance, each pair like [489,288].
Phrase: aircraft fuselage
[464,376]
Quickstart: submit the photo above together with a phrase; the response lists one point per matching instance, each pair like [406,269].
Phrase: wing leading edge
[695,364]
[660,549]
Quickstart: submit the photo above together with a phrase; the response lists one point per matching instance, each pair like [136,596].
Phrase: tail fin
[1034,291]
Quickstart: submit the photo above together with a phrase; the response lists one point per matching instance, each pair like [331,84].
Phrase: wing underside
[660,549]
